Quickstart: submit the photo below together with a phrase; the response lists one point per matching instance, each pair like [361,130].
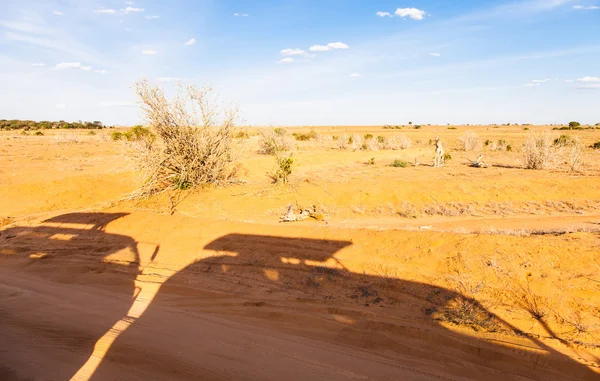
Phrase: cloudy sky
[305,62]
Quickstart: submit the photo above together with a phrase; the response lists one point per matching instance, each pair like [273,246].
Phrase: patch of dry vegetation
[194,142]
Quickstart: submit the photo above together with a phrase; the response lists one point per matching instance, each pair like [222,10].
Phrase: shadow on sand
[269,268]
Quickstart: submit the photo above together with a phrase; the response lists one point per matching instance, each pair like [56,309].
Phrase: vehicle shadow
[254,270]
[306,270]
[72,249]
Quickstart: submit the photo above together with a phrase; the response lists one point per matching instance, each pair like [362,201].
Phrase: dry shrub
[470,141]
[462,306]
[275,141]
[575,155]
[539,152]
[194,142]
[407,210]
[350,142]
[396,142]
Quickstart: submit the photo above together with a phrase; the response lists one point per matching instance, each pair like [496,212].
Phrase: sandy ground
[413,273]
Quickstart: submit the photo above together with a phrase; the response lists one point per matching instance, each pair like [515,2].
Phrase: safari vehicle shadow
[272,268]
[68,249]
[306,270]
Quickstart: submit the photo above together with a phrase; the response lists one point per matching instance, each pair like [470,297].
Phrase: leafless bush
[539,151]
[470,141]
[396,142]
[194,142]
[407,210]
[575,155]
[275,141]
[350,142]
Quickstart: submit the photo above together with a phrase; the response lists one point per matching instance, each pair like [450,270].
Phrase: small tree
[574,124]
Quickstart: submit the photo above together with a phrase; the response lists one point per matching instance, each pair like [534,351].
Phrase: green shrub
[452,128]
[92,132]
[279,131]
[371,161]
[138,133]
[595,145]
[380,139]
[418,127]
[526,129]
[564,141]
[305,137]
[242,135]
[399,163]
[334,137]
[283,169]
[447,157]
[573,125]
[39,133]
[487,142]
[508,147]
[116,135]
[368,136]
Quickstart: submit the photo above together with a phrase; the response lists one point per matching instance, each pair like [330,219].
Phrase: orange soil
[93,288]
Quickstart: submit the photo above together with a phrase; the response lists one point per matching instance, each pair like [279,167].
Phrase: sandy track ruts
[46,333]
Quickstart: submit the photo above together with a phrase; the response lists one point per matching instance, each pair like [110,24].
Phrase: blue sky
[303,62]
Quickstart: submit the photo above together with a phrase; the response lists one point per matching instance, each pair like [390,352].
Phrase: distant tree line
[45,125]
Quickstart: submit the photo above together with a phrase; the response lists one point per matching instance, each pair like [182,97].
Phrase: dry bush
[194,142]
[396,142]
[470,141]
[539,152]
[350,142]
[575,154]
[407,210]
[275,141]
[370,145]
[463,307]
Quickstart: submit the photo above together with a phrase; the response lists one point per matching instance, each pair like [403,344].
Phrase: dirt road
[46,334]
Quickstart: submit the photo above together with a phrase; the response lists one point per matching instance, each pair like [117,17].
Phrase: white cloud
[531,84]
[132,10]
[588,79]
[73,65]
[384,14]
[413,13]
[152,17]
[57,13]
[355,75]
[240,14]
[586,8]
[589,86]
[168,79]
[149,52]
[286,60]
[330,46]
[293,52]
[100,71]
[191,41]
[540,80]
[435,54]
[128,2]
[106,11]
[569,81]
[39,64]
[61,105]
